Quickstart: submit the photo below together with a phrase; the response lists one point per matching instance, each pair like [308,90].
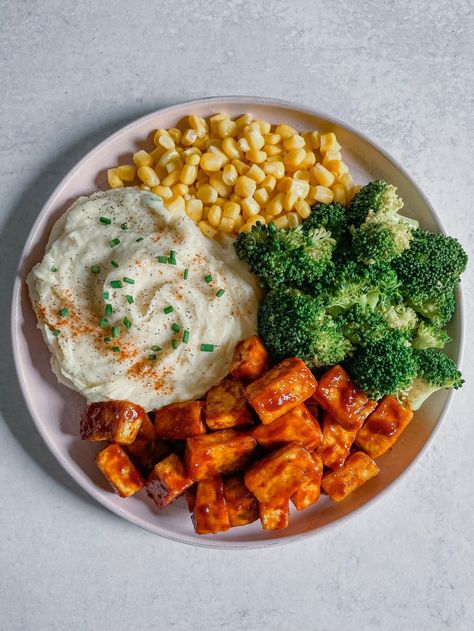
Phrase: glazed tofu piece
[119,470]
[226,405]
[167,481]
[357,469]
[179,421]
[143,448]
[282,388]
[242,506]
[312,406]
[209,511]
[280,474]
[251,359]
[275,516]
[308,492]
[383,427]
[336,444]
[225,451]
[297,425]
[114,421]
[348,405]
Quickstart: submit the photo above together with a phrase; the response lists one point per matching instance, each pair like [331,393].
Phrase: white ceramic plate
[56,410]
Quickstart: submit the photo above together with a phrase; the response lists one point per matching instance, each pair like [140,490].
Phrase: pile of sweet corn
[227,175]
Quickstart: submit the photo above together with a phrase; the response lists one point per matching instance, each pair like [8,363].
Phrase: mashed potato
[122,323]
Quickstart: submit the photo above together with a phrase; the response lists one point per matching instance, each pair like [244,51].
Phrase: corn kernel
[245,186]
[256,219]
[272,139]
[171,179]
[215,120]
[126,172]
[148,176]
[214,215]
[277,169]
[193,209]
[180,189]
[328,142]
[256,156]
[220,201]
[202,143]
[207,194]
[157,135]
[207,229]
[285,131]
[210,162]
[227,128]
[235,198]
[145,187]
[337,166]
[164,192]
[249,207]
[269,183]
[264,126]
[241,167]
[320,175]
[193,159]
[165,141]
[301,175]
[245,119]
[322,194]
[229,175]
[273,150]
[189,137]
[309,161]
[198,124]
[231,210]
[254,138]
[289,201]
[168,156]
[218,183]
[293,220]
[256,173]
[155,155]
[231,148]
[113,179]
[303,208]
[238,223]
[243,144]
[339,194]
[175,134]
[346,180]
[275,205]
[294,158]
[176,204]
[261,196]
[142,158]
[289,185]
[281,222]
[226,224]
[216,150]
[315,140]
[293,142]
[172,165]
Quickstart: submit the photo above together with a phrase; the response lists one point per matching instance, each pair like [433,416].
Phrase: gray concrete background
[73,72]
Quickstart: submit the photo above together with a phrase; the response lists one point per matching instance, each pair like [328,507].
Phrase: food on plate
[209,512]
[180,420]
[250,359]
[275,516]
[309,491]
[226,405]
[227,175]
[241,504]
[297,425]
[167,481]
[119,470]
[357,469]
[135,303]
[336,443]
[117,421]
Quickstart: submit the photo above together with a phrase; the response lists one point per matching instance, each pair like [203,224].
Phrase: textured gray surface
[73,72]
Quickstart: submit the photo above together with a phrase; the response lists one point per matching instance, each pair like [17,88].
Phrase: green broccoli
[362,325]
[399,316]
[374,197]
[438,309]
[385,366]
[290,257]
[427,335]
[331,217]
[434,371]
[294,324]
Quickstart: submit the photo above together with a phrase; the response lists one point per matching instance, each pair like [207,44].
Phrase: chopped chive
[208,278]
[129,281]
[54,268]
[156,348]
[107,339]
[152,357]
[114,263]
[104,323]
[105,295]
[172,258]
[105,220]
[162,259]
[174,344]
[139,239]
[127,323]
[130,300]
[176,328]
[186,337]
[186,274]
[168,309]
[95,269]
[114,242]
[108,310]
[116,349]
[64,312]
[115,331]
[116,284]
[207,348]
[220,293]
[56,332]
[124,226]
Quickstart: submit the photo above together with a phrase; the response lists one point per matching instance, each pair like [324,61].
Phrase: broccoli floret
[438,310]
[375,197]
[435,371]
[430,269]
[280,256]
[375,242]
[401,317]
[428,335]
[362,325]
[294,324]
[331,217]
[385,366]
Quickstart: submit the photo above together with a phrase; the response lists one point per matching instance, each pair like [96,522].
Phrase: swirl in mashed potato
[104,251]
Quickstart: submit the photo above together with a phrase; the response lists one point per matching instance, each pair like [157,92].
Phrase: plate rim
[66,463]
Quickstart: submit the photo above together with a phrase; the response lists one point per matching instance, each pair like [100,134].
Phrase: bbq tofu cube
[179,421]
[220,452]
[308,492]
[383,427]
[312,406]
[143,448]
[242,506]
[297,425]
[167,481]
[336,444]
[357,469]
[250,359]
[282,388]
[275,516]
[115,421]
[119,470]
[338,395]
[280,474]
[209,511]
[226,405]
